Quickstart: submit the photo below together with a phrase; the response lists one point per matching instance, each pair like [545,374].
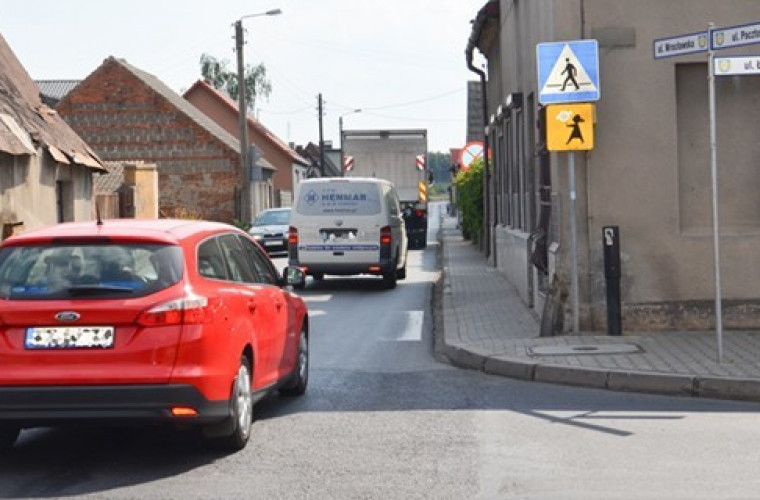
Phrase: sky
[400,61]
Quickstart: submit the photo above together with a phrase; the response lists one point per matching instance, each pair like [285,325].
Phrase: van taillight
[292,236]
[189,310]
[385,235]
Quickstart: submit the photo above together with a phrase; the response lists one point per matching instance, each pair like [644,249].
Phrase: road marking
[412,331]
[316,298]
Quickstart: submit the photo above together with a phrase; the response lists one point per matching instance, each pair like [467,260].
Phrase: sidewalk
[485,326]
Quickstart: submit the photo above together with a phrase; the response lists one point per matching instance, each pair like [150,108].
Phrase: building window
[498,181]
[508,208]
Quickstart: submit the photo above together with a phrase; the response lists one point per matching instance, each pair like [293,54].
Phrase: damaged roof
[27,123]
[485,28]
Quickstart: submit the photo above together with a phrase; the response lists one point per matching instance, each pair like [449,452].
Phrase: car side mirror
[294,276]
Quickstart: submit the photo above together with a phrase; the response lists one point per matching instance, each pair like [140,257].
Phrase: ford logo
[67,316]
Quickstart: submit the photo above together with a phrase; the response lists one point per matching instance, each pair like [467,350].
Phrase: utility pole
[342,157]
[243,211]
[247,198]
[321,140]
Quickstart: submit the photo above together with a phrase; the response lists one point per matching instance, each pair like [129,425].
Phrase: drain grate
[575,350]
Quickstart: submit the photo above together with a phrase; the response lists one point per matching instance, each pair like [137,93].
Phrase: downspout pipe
[471,44]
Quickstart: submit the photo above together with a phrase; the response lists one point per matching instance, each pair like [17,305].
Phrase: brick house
[128,115]
[289,166]
[46,170]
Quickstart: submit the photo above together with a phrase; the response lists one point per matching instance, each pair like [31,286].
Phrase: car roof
[169,231]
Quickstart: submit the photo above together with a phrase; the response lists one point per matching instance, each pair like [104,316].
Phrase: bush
[470,200]
[245,226]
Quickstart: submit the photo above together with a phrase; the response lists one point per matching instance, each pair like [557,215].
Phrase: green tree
[439,164]
[470,200]
[221,77]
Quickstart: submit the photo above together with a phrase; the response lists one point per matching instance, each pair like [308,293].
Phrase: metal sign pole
[714,172]
[574,246]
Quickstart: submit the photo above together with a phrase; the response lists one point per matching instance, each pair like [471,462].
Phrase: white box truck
[399,156]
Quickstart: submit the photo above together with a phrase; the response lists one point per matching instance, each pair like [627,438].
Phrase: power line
[414,118]
[406,103]
[292,112]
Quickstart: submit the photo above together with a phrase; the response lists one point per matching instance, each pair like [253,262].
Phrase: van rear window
[344,198]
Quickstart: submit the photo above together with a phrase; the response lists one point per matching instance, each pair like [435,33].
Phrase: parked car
[270,229]
[348,226]
[144,321]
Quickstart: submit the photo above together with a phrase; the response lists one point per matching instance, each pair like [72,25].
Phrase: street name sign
[737,65]
[735,36]
[568,71]
[570,127]
[681,45]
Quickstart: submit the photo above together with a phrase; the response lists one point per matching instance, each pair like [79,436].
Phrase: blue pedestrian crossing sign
[568,71]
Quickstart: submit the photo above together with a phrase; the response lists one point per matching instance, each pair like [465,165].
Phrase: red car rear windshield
[87,271]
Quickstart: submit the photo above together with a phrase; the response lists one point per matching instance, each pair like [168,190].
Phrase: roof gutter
[477,26]
[484,89]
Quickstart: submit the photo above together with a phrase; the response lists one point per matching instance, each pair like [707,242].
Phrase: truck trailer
[399,156]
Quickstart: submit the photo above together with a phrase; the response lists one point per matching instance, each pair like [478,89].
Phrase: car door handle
[252,304]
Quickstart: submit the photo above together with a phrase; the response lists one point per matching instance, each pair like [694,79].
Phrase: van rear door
[339,222]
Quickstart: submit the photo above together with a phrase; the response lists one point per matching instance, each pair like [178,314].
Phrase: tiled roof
[255,124]
[112,181]
[53,91]
[25,119]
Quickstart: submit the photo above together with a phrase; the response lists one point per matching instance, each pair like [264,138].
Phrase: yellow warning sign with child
[570,127]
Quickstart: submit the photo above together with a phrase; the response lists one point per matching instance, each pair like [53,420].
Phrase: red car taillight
[189,310]
[385,235]
[292,236]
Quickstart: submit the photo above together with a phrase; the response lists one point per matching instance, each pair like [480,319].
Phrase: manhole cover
[574,350]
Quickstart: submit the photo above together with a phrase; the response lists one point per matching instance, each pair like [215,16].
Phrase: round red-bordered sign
[470,152]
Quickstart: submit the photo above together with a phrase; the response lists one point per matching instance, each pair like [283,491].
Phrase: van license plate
[337,234]
[69,337]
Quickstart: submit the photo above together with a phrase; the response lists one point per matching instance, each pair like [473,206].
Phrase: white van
[348,226]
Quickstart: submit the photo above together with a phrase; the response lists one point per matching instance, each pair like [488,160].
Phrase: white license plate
[272,243]
[69,337]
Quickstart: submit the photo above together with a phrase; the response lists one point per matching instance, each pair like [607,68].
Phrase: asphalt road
[384,419]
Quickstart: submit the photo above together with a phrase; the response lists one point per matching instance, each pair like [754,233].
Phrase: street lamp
[247,196]
[340,133]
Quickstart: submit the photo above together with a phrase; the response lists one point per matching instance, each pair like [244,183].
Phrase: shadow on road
[70,461]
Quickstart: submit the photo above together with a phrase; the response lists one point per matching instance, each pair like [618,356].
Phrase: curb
[449,347]
[665,384]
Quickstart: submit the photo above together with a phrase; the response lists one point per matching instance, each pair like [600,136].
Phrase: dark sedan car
[270,229]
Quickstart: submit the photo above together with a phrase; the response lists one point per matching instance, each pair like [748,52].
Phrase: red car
[144,321]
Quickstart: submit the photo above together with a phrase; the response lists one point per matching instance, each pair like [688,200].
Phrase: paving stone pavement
[486,326]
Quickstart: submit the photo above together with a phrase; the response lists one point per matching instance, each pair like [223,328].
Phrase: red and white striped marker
[420,162]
